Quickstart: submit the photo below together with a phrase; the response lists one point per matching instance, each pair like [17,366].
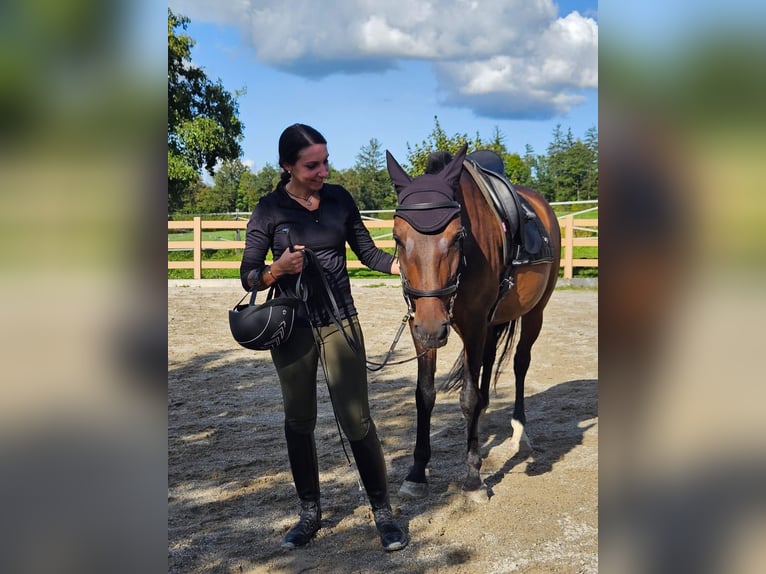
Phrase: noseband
[451,289]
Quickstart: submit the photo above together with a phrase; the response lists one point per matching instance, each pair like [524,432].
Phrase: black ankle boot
[392,537]
[301,450]
[308,523]
[372,469]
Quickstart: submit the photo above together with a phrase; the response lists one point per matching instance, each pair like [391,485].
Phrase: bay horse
[450,244]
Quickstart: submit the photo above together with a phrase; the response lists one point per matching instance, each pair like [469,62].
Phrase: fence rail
[569,240]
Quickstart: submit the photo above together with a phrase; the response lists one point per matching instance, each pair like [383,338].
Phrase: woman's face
[311,168]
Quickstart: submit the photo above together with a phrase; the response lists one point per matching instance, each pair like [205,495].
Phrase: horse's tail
[455,378]
[505,335]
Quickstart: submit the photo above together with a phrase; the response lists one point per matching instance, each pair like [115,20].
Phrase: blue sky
[356,71]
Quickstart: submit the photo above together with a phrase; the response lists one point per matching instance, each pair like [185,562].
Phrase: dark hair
[294,139]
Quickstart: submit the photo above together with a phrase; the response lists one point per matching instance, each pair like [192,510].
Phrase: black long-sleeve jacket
[325,231]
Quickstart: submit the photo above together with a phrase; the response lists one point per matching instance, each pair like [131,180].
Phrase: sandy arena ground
[230,492]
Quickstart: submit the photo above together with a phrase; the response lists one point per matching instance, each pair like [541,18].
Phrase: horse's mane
[437,160]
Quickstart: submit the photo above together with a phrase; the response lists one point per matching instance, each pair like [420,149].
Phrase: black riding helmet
[263,327]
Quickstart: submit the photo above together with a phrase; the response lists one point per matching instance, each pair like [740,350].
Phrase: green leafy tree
[517,169]
[575,171]
[350,179]
[496,144]
[197,189]
[591,184]
[530,160]
[253,187]
[371,157]
[226,186]
[203,124]
[437,140]
[207,200]
[569,171]
[375,190]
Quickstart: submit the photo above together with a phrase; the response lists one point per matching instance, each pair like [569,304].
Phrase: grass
[236,255]
[212,235]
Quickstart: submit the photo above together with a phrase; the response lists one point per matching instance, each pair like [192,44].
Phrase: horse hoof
[479,495]
[413,489]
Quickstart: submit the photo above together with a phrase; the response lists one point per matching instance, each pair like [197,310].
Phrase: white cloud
[503,58]
[377,37]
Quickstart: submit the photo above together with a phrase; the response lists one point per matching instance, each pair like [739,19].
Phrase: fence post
[198,247]
[568,246]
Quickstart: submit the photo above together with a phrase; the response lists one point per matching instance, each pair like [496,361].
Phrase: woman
[305,212]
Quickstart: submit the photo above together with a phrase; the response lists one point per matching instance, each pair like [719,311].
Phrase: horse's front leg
[472,403]
[415,485]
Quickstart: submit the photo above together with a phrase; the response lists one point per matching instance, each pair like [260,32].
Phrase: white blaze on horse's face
[429,264]
[436,257]
[409,248]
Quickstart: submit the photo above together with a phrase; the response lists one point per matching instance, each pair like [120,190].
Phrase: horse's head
[428,232]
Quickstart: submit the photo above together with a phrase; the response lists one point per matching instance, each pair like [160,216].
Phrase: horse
[455,274]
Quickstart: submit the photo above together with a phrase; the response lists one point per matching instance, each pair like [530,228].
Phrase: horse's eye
[397,240]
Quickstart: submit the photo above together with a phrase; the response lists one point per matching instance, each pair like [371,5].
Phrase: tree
[531,163]
[225,188]
[350,179]
[203,124]
[591,142]
[517,170]
[375,190]
[436,141]
[253,187]
[370,157]
[567,172]
[207,200]
[575,169]
[549,167]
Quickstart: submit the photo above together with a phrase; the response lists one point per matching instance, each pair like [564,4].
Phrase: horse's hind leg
[488,361]
[531,324]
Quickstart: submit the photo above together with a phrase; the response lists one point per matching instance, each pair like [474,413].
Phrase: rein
[373,366]
[335,316]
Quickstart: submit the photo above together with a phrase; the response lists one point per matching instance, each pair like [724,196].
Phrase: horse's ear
[451,173]
[398,176]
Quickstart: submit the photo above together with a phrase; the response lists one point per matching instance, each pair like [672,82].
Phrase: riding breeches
[345,370]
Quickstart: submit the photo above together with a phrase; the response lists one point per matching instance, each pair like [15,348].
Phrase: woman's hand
[289,263]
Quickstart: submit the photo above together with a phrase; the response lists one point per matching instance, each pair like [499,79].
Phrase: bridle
[451,288]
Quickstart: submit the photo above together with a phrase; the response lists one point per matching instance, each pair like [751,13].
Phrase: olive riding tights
[296,362]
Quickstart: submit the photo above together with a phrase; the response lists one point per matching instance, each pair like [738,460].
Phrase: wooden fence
[569,240]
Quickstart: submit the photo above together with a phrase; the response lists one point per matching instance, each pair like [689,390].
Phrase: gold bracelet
[270,273]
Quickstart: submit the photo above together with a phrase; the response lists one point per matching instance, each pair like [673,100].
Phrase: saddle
[525,241]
